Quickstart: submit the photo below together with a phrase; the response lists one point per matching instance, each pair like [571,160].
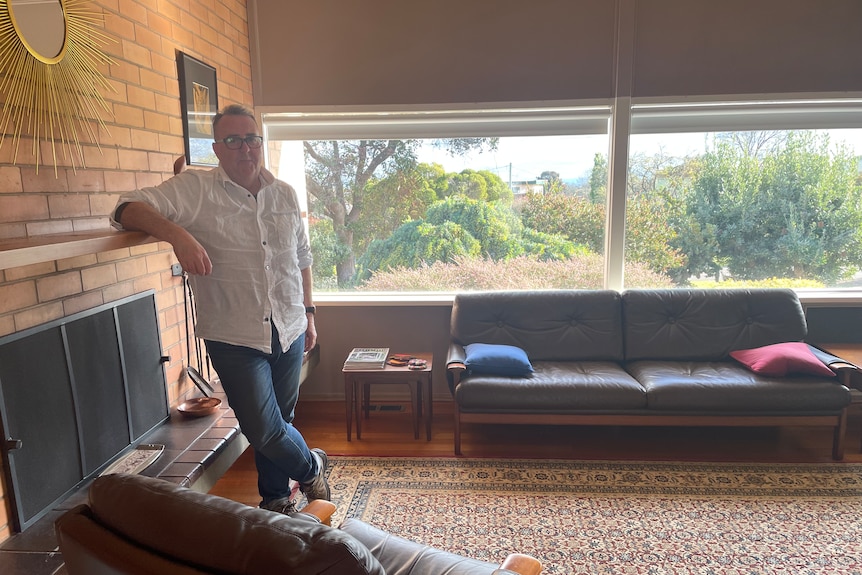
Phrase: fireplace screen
[74,394]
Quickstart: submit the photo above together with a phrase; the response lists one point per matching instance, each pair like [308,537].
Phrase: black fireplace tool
[200,382]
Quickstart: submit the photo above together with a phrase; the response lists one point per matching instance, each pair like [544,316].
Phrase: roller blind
[448,124]
[729,116]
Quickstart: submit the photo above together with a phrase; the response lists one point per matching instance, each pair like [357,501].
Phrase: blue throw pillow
[497,359]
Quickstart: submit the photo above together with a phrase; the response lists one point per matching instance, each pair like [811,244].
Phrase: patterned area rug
[616,518]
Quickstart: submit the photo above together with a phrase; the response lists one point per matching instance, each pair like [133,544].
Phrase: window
[716,194]
[745,195]
[449,201]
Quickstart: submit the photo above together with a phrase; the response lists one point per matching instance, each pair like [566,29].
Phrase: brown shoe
[283,505]
[317,488]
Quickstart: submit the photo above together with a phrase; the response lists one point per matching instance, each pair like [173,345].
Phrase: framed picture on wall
[199,103]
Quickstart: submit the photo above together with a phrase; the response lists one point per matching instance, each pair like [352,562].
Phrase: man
[238,233]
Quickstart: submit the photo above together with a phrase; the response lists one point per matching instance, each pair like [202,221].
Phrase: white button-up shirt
[257,247]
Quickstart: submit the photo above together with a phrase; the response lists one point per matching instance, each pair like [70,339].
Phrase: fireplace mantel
[18,252]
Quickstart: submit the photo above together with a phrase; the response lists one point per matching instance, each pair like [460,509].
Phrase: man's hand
[310,333]
[192,255]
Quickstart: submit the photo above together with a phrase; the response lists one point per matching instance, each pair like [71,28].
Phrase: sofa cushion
[729,387]
[780,359]
[550,325]
[401,556]
[706,324]
[554,387]
[497,359]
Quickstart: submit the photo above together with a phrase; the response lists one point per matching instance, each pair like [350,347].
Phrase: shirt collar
[266,178]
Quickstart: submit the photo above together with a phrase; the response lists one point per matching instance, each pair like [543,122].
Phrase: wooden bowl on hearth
[199,406]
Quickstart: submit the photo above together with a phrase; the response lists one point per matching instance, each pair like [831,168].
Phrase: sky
[525,158]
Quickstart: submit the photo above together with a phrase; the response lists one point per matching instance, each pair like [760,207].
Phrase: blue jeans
[263,389]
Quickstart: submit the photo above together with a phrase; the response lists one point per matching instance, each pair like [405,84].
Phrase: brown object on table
[414,378]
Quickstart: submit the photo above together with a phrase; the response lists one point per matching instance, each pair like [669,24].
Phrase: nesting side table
[357,385]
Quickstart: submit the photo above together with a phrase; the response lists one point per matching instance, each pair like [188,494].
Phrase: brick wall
[143,139]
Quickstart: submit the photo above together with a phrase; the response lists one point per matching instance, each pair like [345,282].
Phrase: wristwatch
[310,309]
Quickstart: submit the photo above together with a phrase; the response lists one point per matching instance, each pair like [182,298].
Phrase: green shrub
[766,283]
[523,272]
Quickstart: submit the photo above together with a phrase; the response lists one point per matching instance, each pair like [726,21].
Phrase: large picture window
[715,195]
[450,201]
[746,195]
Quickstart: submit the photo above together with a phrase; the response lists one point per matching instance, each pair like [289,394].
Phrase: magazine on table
[367,358]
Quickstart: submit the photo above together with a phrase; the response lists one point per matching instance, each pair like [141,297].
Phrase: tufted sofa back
[550,325]
[604,325]
[705,325]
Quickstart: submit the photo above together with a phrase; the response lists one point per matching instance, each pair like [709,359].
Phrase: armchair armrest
[520,564]
[456,354]
[455,366]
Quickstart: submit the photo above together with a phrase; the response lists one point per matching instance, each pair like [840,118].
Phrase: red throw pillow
[781,359]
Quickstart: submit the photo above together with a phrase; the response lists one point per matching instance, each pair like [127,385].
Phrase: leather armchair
[138,525]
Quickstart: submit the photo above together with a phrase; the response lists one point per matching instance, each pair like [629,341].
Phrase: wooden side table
[357,391]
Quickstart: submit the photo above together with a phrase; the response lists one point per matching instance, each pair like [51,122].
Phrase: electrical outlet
[176,270]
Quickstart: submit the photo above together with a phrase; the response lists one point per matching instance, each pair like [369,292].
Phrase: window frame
[619,118]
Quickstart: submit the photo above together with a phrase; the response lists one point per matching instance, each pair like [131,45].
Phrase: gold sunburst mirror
[49,61]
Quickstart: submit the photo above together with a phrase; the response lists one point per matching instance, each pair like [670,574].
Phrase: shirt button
[264,243]
[266,267]
[266,319]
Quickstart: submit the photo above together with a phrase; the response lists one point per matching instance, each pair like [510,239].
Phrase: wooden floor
[390,433]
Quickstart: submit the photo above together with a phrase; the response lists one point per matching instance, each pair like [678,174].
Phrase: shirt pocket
[281,225]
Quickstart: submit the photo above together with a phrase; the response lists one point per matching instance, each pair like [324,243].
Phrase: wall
[402,328]
[144,137]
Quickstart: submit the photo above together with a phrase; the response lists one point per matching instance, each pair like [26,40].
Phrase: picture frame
[199,103]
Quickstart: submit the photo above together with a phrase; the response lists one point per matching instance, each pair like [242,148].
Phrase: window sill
[825,297]
[368,299]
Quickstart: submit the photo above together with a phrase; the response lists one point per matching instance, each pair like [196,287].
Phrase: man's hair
[233,110]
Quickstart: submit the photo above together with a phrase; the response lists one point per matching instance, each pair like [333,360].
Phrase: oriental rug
[616,517]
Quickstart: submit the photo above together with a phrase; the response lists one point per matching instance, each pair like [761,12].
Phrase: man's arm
[191,254]
[311,330]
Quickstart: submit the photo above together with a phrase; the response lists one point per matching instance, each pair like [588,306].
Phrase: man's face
[242,165]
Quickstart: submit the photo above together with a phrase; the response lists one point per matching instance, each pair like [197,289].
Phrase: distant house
[523,187]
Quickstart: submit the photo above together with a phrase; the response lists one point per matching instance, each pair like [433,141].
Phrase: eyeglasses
[235,142]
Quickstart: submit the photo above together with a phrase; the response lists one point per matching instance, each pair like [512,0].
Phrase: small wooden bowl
[199,406]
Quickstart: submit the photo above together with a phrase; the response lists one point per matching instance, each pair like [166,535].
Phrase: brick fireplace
[74,394]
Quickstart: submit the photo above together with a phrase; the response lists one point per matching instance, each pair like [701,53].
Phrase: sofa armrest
[845,370]
[457,354]
[520,564]
[455,366]
[321,509]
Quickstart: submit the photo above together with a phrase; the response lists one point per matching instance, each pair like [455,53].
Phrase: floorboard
[390,433]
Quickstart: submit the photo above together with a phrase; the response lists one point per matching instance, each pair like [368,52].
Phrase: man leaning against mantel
[238,232]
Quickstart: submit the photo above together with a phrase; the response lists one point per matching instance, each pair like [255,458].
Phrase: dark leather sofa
[639,357]
[137,525]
